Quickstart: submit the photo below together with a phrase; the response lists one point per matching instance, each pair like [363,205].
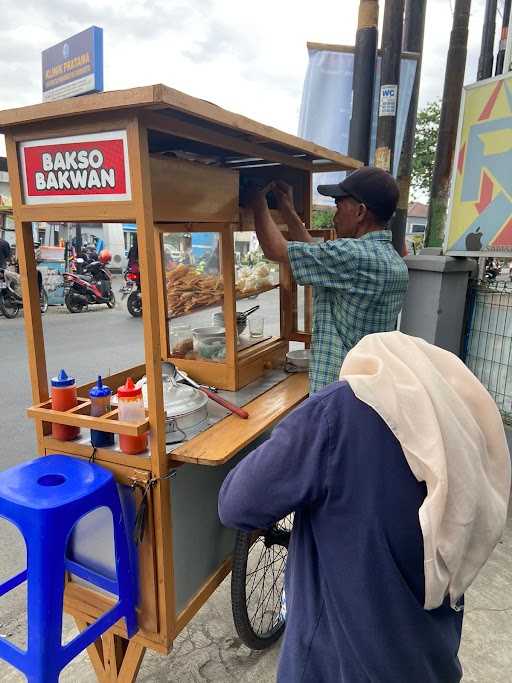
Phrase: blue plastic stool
[45,498]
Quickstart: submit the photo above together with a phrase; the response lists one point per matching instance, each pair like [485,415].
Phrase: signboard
[79,168]
[388,100]
[480,212]
[74,67]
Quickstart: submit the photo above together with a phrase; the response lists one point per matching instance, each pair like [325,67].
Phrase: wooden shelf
[79,417]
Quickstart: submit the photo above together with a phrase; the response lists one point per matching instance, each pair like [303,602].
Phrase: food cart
[173,165]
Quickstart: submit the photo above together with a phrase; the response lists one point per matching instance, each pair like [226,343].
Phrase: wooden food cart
[174,166]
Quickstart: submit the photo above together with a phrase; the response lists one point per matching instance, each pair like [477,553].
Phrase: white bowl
[299,358]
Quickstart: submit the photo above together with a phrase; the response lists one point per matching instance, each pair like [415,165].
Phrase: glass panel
[195,295]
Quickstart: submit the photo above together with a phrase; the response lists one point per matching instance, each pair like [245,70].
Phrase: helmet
[105,256]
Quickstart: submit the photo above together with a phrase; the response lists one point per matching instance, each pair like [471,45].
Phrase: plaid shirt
[358,288]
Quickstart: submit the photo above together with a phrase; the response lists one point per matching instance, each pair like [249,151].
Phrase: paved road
[105,341]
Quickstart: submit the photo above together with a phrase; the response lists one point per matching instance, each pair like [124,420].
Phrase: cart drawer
[190,191]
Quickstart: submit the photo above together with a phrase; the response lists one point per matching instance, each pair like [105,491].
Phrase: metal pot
[184,406]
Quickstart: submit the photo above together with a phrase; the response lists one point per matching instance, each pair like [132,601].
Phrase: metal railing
[487,344]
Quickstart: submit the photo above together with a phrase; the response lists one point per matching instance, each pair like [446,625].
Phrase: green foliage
[425,142]
[322,219]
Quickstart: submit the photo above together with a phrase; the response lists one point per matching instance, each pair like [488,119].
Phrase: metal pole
[364,80]
[454,78]
[389,83]
[486,60]
[500,59]
[413,34]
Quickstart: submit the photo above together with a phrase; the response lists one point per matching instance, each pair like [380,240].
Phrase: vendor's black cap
[373,187]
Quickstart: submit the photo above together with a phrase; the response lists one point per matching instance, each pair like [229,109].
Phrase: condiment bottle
[100,405]
[131,409]
[64,398]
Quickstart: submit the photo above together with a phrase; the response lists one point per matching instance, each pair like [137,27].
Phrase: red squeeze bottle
[130,407]
[64,398]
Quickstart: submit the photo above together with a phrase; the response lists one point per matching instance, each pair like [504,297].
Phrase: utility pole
[413,34]
[364,80]
[389,83]
[454,79]
[500,59]
[486,60]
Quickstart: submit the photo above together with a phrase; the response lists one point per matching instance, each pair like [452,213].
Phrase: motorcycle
[11,301]
[92,286]
[131,289]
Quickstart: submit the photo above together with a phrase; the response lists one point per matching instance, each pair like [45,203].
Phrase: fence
[487,344]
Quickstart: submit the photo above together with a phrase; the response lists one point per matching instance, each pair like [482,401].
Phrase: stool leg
[45,588]
[124,568]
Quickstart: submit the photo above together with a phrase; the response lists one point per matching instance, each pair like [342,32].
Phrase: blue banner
[326,106]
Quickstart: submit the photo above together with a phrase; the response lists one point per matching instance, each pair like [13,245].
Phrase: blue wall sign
[74,67]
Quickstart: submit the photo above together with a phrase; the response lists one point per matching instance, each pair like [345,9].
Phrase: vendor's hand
[255,197]
[284,195]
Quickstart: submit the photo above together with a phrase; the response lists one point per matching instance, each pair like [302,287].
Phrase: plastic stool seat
[52,481]
[45,498]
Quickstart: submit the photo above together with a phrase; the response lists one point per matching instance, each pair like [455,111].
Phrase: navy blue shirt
[354,577]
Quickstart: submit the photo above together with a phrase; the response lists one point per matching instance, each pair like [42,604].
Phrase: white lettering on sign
[388,100]
[74,170]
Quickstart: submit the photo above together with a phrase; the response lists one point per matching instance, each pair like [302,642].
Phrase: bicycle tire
[256,635]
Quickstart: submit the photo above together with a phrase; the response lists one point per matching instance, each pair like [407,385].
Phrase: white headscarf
[453,438]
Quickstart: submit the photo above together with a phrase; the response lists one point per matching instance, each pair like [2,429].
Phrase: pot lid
[179,399]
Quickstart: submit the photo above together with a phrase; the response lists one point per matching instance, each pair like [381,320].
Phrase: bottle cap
[62,380]
[100,390]
[129,390]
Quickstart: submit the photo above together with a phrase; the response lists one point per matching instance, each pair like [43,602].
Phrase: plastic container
[131,409]
[100,396]
[64,398]
[180,340]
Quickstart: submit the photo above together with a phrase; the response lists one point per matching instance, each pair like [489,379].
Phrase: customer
[359,279]
[399,477]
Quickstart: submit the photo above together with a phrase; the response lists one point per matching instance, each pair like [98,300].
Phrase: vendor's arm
[286,473]
[284,197]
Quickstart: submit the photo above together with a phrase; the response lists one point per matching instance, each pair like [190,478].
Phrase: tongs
[180,376]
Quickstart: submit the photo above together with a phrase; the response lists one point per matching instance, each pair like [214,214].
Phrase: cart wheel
[257,584]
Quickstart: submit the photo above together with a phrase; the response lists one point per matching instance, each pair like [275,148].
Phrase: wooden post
[141,182]
[31,302]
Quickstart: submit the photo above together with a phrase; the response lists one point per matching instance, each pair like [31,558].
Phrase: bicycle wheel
[257,584]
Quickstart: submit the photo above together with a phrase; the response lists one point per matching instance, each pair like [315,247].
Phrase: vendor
[359,280]
[399,477]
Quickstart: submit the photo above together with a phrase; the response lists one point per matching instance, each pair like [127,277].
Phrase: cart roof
[167,101]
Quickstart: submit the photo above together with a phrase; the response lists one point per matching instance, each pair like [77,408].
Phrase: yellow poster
[480,214]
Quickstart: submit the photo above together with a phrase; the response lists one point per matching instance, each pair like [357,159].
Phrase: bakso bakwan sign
[81,168]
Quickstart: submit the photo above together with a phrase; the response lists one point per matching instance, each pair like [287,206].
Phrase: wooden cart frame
[145,113]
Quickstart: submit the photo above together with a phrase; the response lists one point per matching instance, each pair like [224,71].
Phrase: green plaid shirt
[358,288]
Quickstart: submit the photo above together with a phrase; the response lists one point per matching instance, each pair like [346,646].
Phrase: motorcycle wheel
[9,308]
[111,303]
[43,300]
[134,304]
[73,306]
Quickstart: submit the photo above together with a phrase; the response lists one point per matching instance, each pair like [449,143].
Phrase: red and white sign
[79,168]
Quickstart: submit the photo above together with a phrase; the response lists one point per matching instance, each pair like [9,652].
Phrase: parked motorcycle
[131,289]
[93,286]
[11,301]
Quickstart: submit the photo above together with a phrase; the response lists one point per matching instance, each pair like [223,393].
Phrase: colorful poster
[77,168]
[480,213]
